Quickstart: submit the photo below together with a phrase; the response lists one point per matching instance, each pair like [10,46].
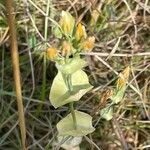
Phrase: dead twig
[16,69]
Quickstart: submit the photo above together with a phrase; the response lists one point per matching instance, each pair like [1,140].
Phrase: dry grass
[122,39]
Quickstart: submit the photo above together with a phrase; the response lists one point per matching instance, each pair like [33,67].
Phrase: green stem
[73,115]
[43,92]
[69,85]
[44,79]
[46,20]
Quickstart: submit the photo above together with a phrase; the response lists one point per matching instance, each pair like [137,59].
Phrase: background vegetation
[122,34]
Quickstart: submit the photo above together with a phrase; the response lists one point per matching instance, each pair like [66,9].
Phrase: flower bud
[80,32]
[66,48]
[94,17]
[123,78]
[51,53]
[67,23]
[121,86]
[88,44]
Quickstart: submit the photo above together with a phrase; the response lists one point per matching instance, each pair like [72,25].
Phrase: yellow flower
[66,48]
[51,53]
[80,32]
[123,77]
[88,44]
[67,23]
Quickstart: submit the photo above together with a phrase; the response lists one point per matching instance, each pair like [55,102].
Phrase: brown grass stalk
[16,69]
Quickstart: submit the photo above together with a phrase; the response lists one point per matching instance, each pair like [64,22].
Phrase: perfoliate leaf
[71,143]
[71,67]
[84,125]
[59,93]
[107,113]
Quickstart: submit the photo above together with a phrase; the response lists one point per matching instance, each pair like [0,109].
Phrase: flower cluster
[73,37]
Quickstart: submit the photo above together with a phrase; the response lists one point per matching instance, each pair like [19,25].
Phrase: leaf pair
[60,95]
[84,125]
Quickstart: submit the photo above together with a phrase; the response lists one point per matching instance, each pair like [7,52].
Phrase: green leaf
[107,113]
[59,94]
[69,143]
[57,32]
[84,125]
[118,95]
[71,67]
[32,40]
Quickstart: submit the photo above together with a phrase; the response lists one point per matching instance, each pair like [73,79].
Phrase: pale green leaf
[59,94]
[107,113]
[57,32]
[71,67]
[118,95]
[84,125]
[69,143]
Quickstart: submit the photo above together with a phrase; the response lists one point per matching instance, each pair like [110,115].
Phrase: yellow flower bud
[51,53]
[123,78]
[88,44]
[80,32]
[67,23]
[94,17]
[66,48]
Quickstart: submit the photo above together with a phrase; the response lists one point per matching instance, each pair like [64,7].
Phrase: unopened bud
[51,53]
[123,78]
[80,32]
[88,44]
[66,48]
[67,23]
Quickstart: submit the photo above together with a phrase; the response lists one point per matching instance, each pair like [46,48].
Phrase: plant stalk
[43,94]
[70,87]
[16,69]
[73,115]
